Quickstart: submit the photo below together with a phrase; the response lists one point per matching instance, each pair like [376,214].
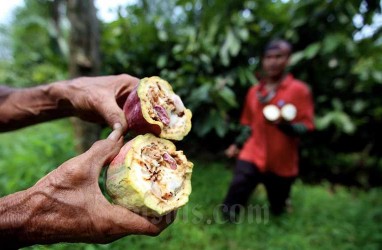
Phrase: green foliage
[28,154]
[35,44]
[210,52]
[192,46]
[343,73]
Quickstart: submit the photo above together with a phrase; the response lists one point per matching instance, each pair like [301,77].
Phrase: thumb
[102,152]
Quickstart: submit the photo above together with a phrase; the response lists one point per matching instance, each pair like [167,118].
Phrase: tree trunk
[84,60]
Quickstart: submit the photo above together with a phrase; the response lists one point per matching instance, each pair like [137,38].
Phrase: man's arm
[304,121]
[23,107]
[234,149]
[293,129]
[96,99]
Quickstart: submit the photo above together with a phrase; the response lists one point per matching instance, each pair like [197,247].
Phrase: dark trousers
[247,177]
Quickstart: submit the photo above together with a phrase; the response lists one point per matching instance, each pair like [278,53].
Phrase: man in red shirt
[276,112]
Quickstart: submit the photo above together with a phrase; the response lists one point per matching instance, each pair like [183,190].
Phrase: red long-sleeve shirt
[268,147]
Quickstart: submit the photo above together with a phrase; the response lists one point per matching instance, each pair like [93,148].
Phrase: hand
[232,151]
[293,129]
[99,99]
[67,205]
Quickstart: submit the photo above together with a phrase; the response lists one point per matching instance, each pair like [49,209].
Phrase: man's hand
[232,151]
[99,99]
[292,129]
[67,205]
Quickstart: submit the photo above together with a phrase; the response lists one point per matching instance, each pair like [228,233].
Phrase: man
[270,152]
[67,205]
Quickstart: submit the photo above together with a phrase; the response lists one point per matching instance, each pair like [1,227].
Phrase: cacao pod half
[153,107]
[149,176]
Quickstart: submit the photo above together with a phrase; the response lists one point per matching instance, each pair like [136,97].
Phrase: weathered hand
[67,205]
[232,151]
[99,99]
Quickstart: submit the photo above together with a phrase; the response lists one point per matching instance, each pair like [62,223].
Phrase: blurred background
[209,50]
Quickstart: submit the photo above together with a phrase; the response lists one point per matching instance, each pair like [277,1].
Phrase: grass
[28,154]
[323,217]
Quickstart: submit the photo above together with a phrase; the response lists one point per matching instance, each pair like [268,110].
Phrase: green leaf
[377,75]
[323,122]
[312,50]
[199,96]
[339,119]
[218,123]
[331,43]
[337,104]
[231,47]
[359,106]
[343,120]
[162,61]
[203,126]
[177,48]
[162,35]
[243,33]
[296,58]
[228,96]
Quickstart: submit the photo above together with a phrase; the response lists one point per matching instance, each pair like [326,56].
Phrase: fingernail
[115,135]
[117,126]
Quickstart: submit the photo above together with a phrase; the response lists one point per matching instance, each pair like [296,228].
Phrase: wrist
[28,106]
[35,216]
[59,94]
[292,129]
[16,213]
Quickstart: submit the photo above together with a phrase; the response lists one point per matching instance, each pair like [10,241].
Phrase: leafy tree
[209,50]
[344,73]
[36,54]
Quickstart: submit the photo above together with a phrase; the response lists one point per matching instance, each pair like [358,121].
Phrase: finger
[132,223]
[164,221]
[127,82]
[112,114]
[102,152]
[116,133]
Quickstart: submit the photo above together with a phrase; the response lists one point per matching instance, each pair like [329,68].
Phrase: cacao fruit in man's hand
[149,176]
[153,107]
